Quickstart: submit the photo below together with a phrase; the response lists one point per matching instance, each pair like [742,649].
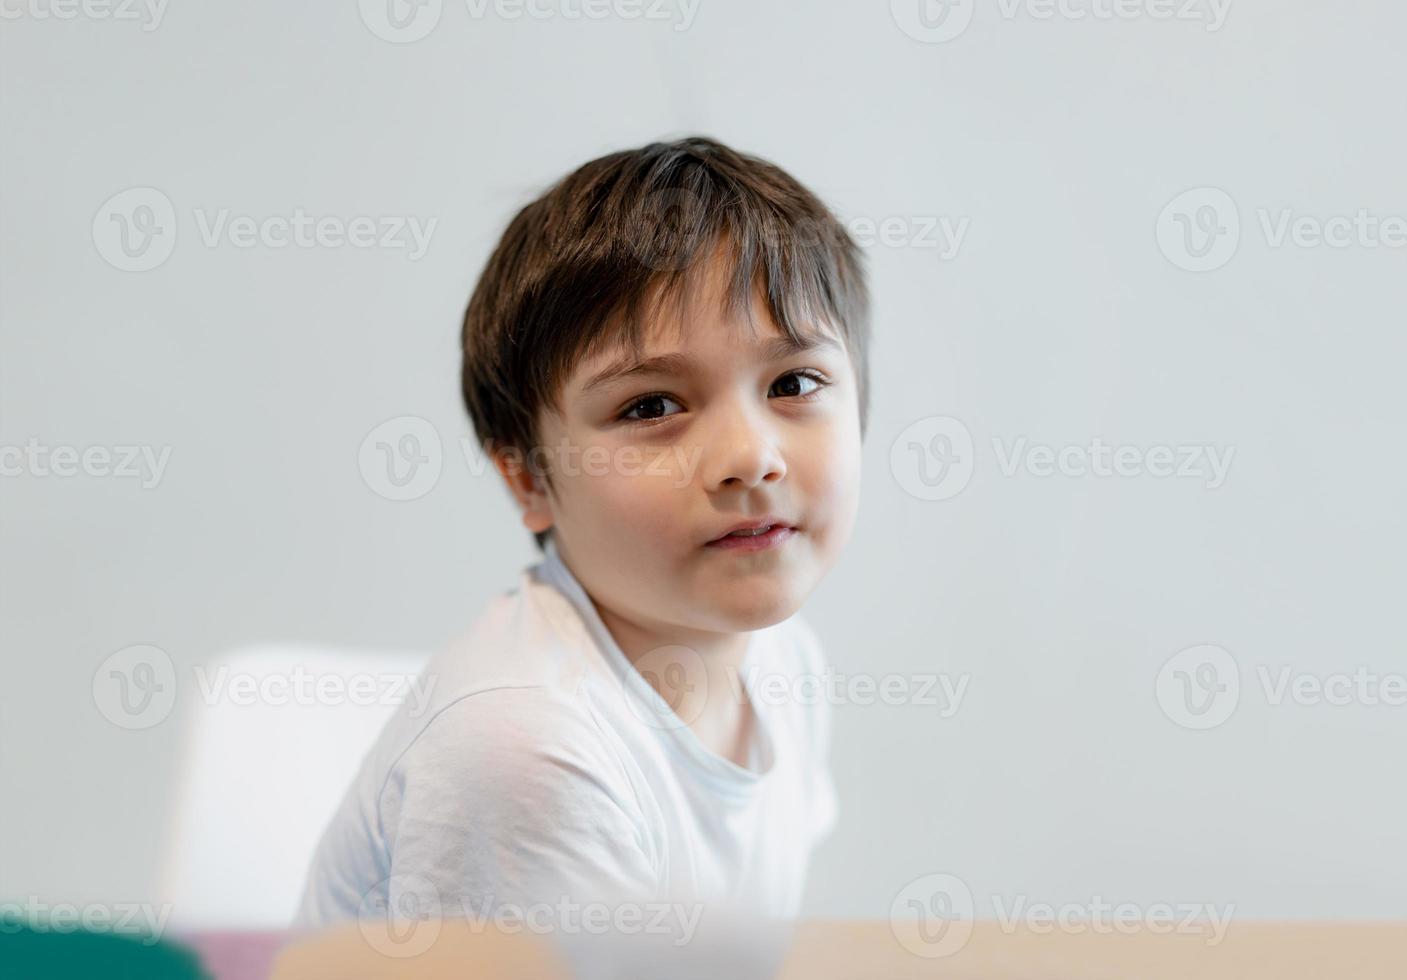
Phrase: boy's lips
[755,534]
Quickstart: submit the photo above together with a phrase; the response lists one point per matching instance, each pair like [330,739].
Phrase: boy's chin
[745,610]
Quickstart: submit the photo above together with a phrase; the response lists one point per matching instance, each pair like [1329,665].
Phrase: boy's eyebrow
[679,363]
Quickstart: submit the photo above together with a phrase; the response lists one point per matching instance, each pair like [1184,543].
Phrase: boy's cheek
[831,476]
[630,502]
[832,452]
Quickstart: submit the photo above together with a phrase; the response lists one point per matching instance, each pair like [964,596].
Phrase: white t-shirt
[545,768]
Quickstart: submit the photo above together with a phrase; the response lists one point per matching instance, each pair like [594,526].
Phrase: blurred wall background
[1167,234]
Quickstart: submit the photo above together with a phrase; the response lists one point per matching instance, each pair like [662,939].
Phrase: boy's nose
[742,452]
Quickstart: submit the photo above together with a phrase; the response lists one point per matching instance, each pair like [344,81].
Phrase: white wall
[1059,319]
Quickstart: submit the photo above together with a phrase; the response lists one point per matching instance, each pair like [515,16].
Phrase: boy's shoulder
[520,657]
[524,637]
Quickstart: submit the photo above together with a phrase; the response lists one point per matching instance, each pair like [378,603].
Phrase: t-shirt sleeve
[511,797]
[825,802]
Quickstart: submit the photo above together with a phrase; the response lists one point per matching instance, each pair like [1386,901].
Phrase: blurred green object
[30,953]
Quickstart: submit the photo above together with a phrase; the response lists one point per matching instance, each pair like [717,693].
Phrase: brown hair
[576,268]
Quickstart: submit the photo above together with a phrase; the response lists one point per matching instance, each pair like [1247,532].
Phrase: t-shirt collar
[725,774]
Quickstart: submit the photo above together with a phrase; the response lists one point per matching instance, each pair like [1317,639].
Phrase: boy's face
[650,467]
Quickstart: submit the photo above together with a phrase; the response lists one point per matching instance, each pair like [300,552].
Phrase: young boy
[665,358]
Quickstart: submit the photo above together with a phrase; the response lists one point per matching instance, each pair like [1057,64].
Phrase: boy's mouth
[767,532]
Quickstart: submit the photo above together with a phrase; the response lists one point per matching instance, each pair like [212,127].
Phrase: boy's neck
[703,683]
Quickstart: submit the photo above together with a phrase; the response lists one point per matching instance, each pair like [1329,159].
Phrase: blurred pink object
[236,955]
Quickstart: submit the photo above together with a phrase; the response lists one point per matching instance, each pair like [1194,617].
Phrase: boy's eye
[649,402]
[650,410]
[815,379]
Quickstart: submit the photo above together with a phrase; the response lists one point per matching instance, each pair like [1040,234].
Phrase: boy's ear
[528,488]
